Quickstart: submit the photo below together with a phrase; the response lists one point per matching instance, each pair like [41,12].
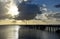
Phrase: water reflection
[28,33]
[9,32]
[20,32]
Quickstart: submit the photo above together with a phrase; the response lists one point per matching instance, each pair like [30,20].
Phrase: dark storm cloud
[57,6]
[27,11]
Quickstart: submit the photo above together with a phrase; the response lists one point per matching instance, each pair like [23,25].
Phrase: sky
[49,4]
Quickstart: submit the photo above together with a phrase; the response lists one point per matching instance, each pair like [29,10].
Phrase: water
[27,33]
[16,32]
[9,32]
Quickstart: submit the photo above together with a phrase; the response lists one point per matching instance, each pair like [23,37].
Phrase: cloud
[27,11]
[4,10]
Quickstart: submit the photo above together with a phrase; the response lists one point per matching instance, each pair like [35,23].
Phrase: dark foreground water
[26,33]
[11,32]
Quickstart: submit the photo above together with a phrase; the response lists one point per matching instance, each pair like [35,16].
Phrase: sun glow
[13,10]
